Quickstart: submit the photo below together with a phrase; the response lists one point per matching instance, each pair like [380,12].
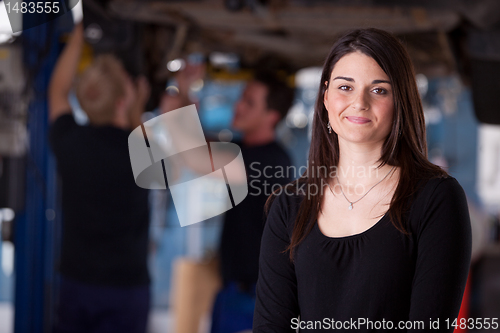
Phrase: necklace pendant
[350,206]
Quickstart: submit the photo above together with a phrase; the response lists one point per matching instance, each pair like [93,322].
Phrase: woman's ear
[325,96]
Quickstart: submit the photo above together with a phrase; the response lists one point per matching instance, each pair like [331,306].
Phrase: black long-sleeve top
[243,225]
[379,275]
[105,214]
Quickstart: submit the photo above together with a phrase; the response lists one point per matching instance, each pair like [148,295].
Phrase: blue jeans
[233,309]
[101,309]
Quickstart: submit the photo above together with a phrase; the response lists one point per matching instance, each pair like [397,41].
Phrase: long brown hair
[405,146]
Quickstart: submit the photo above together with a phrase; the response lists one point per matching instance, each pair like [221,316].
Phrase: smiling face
[359,100]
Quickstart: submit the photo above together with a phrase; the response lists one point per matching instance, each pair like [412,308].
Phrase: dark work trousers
[101,309]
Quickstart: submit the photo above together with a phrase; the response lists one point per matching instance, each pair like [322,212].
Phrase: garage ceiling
[302,32]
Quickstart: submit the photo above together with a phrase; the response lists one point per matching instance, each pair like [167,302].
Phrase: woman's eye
[380,91]
[345,88]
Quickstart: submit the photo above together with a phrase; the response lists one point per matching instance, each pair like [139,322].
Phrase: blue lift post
[37,235]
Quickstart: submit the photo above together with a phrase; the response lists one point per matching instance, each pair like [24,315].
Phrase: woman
[386,242]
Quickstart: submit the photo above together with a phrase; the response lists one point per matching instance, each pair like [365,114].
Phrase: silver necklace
[351,203]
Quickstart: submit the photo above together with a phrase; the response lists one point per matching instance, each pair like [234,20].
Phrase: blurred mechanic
[105,280]
[264,102]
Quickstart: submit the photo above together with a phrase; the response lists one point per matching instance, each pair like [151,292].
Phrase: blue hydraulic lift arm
[37,234]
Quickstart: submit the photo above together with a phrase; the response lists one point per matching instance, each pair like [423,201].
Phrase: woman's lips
[358,120]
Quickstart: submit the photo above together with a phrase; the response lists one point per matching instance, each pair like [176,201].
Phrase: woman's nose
[361,101]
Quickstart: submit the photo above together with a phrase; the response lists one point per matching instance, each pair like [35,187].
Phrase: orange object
[194,287]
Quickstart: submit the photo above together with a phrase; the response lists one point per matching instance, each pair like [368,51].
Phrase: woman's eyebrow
[381,81]
[350,79]
[344,78]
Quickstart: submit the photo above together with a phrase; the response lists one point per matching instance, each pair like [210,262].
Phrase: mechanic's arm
[179,128]
[185,78]
[64,73]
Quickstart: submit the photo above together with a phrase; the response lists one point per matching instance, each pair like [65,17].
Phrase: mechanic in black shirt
[266,100]
[105,280]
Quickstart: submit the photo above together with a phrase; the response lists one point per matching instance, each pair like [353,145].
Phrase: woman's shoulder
[439,198]
[437,186]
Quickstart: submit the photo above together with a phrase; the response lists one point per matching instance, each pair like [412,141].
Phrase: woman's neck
[358,164]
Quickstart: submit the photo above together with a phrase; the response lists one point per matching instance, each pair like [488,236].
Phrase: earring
[329,127]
